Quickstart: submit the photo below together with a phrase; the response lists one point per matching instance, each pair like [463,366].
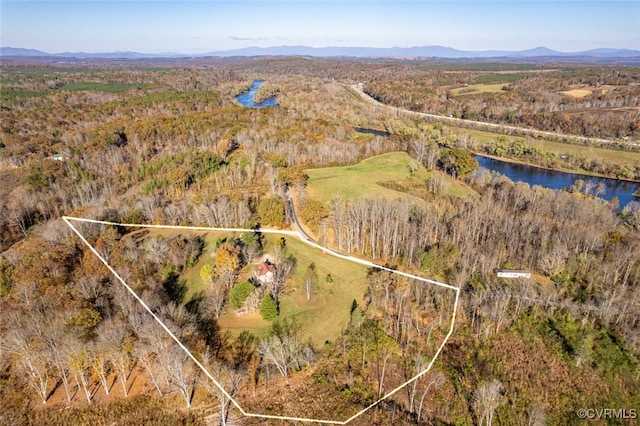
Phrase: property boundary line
[301,236]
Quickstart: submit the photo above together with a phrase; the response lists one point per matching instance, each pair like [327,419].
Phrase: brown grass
[577,93]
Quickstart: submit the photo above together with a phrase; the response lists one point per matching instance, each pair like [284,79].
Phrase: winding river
[247,98]
[560,180]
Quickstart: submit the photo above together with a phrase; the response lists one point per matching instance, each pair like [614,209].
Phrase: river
[560,180]
[247,98]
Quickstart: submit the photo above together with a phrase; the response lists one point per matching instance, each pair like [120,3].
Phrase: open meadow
[374,177]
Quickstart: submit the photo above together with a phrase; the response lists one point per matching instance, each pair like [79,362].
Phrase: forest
[166,143]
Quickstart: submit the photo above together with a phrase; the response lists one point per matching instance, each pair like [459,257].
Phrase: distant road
[500,128]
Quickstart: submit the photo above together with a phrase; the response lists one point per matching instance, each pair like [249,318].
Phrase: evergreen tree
[268,308]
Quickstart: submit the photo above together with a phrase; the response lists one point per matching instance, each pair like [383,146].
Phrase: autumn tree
[271,212]
[458,162]
[313,212]
[227,262]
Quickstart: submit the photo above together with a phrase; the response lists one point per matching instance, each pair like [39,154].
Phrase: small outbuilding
[511,273]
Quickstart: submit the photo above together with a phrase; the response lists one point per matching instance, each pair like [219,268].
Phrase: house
[266,272]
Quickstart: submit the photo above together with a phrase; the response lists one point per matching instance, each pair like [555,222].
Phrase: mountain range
[362,52]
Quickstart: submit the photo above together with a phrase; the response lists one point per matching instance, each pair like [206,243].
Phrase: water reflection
[372,132]
[560,180]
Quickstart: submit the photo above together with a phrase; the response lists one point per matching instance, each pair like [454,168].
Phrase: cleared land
[474,89]
[577,93]
[611,155]
[373,177]
[320,318]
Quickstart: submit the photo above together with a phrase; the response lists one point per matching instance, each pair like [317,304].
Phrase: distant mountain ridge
[362,52]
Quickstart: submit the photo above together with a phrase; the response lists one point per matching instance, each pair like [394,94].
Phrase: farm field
[474,89]
[559,148]
[366,179]
[104,87]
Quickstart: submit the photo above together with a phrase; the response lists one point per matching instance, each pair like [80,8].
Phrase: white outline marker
[68,219]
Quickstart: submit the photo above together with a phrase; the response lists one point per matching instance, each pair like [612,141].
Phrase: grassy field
[610,155]
[474,89]
[320,318]
[104,87]
[326,313]
[16,94]
[365,179]
[577,93]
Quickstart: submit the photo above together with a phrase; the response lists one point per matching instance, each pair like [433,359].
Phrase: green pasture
[104,87]
[327,312]
[15,94]
[373,177]
[559,148]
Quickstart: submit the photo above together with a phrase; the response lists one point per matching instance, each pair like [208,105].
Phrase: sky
[205,26]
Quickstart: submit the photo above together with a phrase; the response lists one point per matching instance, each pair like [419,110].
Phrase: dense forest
[166,143]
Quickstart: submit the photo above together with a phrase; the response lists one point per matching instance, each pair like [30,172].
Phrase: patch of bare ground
[322,401]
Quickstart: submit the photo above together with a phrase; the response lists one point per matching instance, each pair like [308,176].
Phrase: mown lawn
[372,178]
[326,313]
[320,318]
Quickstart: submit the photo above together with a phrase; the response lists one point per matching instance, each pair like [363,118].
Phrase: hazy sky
[202,26]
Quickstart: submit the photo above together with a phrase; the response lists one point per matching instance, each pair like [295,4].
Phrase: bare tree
[485,401]
[310,280]
[99,362]
[436,381]
[536,415]
[283,270]
[284,349]
[79,361]
[33,363]
[213,302]
[229,378]
[180,370]
[118,347]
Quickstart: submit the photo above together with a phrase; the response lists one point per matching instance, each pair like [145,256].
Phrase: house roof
[265,267]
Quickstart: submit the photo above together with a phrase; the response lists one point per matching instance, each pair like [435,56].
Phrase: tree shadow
[174,288]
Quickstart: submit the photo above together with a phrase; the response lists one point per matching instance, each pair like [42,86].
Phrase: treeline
[578,242]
